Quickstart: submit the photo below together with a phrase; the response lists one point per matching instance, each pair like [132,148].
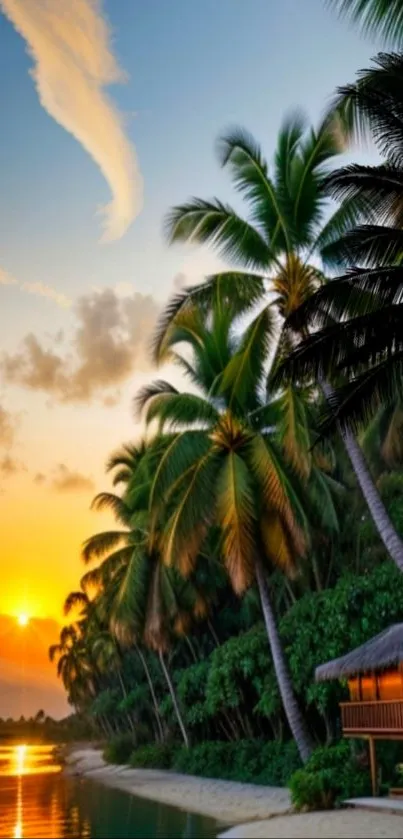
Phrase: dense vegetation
[259,522]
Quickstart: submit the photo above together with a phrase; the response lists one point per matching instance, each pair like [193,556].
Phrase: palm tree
[286,230]
[223,467]
[143,600]
[358,317]
[383,17]
[74,665]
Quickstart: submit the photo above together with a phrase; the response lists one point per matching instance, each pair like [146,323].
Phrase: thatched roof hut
[385,650]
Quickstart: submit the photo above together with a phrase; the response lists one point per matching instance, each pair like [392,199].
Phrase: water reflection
[37,801]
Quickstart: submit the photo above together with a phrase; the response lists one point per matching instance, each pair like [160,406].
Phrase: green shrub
[330,776]
[252,761]
[155,756]
[312,790]
[119,749]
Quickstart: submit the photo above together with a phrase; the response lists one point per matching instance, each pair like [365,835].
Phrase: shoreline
[242,811]
[228,802]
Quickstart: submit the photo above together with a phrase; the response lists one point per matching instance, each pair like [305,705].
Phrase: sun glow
[23,619]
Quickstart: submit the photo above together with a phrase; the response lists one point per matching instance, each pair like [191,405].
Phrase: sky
[110,113]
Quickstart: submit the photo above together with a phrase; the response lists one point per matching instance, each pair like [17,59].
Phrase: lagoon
[38,800]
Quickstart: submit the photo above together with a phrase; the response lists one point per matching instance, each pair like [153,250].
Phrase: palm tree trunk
[292,711]
[213,633]
[383,524]
[174,700]
[152,691]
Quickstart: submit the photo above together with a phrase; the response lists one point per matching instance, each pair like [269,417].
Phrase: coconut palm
[224,469]
[283,234]
[358,317]
[74,665]
[143,600]
[378,17]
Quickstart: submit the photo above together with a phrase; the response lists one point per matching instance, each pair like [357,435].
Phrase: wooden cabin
[374,674]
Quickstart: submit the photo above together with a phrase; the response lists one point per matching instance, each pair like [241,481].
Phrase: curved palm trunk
[174,700]
[383,524]
[292,711]
[152,691]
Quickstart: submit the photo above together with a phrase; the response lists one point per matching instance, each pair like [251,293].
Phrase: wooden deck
[379,718]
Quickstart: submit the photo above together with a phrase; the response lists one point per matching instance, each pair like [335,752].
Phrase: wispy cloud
[47,291]
[63,479]
[69,41]
[7,279]
[39,288]
[7,427]
[9,466]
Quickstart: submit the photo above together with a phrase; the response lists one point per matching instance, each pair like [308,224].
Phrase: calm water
[36,800]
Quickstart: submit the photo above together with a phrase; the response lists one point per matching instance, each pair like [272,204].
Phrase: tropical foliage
[248,545]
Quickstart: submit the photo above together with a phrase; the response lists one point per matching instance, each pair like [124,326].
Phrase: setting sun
[22,619]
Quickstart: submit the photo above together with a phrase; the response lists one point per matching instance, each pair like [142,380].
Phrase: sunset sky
[115,105]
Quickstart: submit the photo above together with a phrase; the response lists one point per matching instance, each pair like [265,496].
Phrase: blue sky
[194,68]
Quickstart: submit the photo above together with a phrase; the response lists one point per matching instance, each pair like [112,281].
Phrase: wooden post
[374,769]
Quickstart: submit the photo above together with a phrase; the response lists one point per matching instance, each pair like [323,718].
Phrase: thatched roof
[385,650]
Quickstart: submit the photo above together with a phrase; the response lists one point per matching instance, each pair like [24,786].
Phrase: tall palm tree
[285,232]
[358,317]
[378,17]
[224,469]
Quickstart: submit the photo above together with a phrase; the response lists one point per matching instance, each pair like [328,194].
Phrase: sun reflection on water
[17,762]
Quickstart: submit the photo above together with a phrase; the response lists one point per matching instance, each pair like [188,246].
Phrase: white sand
[337,824]
[226,801]
[258,811]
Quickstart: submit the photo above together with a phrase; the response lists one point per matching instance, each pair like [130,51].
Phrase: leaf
[187,527]
[243,375]
[294,431]
[237,518]
[382,18]
[239,151]
[100,545]
[217,224]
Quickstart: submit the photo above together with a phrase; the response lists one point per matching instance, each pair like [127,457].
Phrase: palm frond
[275,489]
[187,527]
[110,501]
[236,516]
[181,410]
[74,600]
[369,245]
[101,544]
[294,430]
[239,290]
[181,455]
[382,18]
[217,224]
[244,373]
[238,150]
[149,392]
[375,102]
[371,191]
[356,402]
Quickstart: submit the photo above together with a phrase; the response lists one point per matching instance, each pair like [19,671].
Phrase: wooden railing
[384,716]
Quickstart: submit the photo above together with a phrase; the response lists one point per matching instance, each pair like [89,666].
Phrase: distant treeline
[45,729]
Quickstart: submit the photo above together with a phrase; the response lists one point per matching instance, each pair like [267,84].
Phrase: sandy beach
[338,824]
[254,810]
[228,802]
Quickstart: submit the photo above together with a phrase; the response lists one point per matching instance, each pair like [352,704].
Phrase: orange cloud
[69,43]
[64,480]
[7,427]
